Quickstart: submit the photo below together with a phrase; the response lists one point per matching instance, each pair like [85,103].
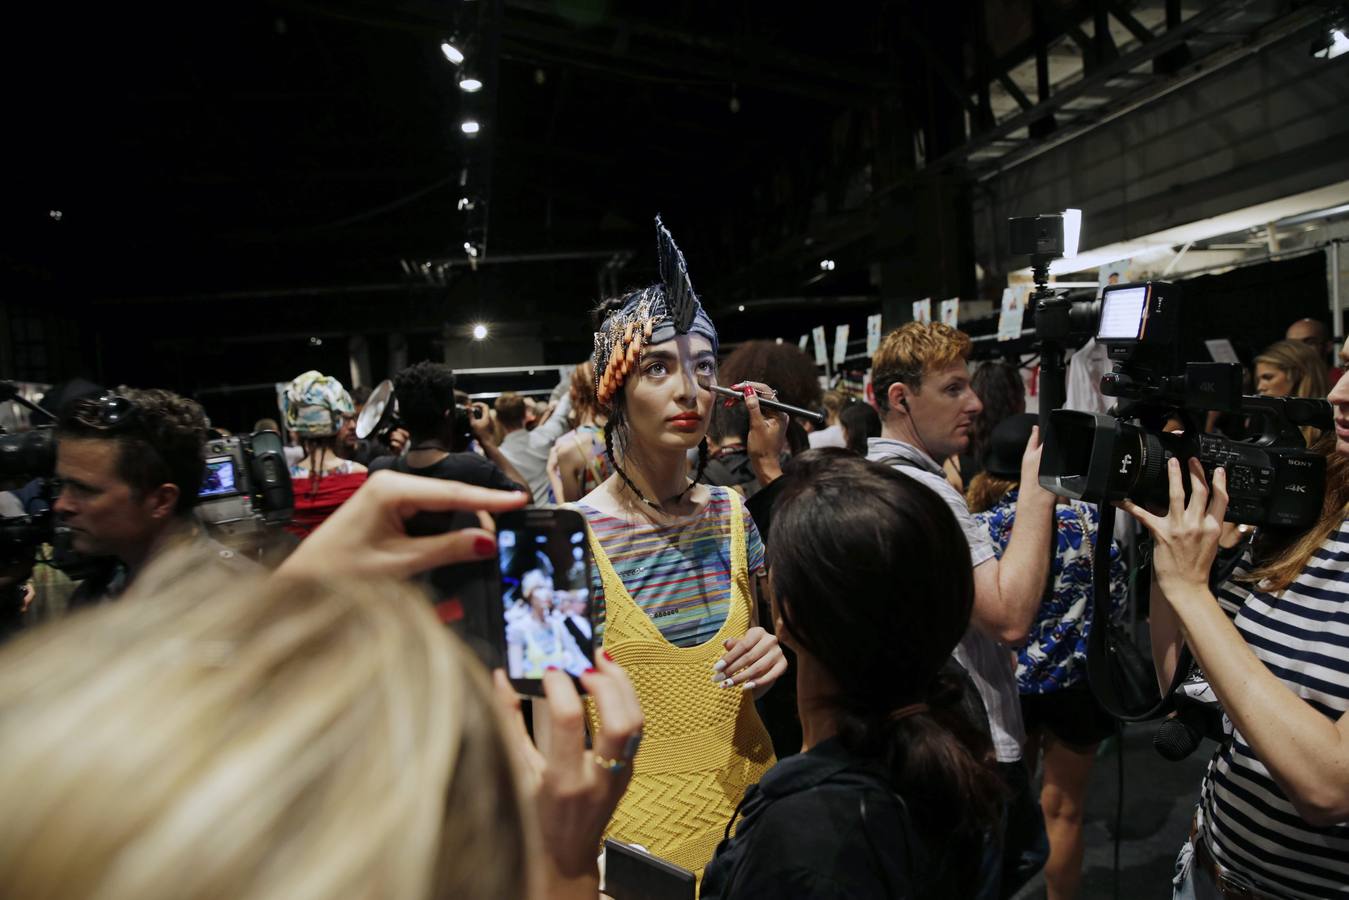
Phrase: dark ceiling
[192,179]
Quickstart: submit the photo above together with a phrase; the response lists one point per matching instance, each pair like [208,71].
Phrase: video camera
[246,488]
[1272,480]
[23,457]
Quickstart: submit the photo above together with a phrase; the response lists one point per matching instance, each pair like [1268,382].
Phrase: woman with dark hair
[792,373]
[674,599]
[1003,394]
[860,421]
[871,586]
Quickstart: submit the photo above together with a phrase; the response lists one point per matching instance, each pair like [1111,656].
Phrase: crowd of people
[826,663]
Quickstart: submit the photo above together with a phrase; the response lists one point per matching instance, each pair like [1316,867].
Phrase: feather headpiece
[651,315]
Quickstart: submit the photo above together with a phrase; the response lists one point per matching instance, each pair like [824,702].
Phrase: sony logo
[1304,463]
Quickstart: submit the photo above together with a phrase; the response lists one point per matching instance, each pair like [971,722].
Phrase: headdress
[314,405]
[651,315]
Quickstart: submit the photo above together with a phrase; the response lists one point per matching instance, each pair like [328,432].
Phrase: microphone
[1181,735]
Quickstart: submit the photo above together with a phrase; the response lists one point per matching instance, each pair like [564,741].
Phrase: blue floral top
[1055,654]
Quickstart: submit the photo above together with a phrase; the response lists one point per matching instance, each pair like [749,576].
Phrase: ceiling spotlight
[826,265]
[742,307]
[55,214]
[470,85]
[471,249]
[1331,44]
[465,203]
[316,342]
[480,332]
[452,53]
[470,126]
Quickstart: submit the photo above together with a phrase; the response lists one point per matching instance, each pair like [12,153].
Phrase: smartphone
[630,873]
[545,604]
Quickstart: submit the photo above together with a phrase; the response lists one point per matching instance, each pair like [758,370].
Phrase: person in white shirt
[921,379]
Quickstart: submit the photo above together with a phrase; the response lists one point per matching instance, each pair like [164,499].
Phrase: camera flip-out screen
[221,480]
[1122,313]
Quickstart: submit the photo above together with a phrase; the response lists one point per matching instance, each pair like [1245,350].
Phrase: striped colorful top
[1302,635]
[678,573]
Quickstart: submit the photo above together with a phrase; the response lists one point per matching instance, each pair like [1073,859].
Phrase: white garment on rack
[1085,369]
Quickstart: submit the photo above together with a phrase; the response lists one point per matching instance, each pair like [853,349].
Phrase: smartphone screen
[545,594]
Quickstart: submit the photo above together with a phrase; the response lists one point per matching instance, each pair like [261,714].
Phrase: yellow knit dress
[703,745]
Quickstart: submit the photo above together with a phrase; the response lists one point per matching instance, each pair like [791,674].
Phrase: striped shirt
[1302,636]
[678,573]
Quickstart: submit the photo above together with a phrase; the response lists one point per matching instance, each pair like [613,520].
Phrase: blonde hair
[582,388]
[1304,368]
[912,350]
[254,739]
[1301,364]
[1285,558]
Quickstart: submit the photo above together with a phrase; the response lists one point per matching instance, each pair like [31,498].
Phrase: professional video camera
[1272,480]
[23,457]
[246,489]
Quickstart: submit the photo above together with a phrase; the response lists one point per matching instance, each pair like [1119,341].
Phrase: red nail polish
[552,669]
[607,656]
[484,546]
[589,671]
[728,404]
[749,390]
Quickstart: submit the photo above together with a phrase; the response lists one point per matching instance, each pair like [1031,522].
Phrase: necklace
[653,504]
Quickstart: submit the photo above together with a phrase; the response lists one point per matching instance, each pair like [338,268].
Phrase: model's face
[943,409]
[1339,398]
[666,407]
[1271,381]
[106,516]
[541,600]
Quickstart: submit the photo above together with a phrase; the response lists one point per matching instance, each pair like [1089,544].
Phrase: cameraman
[427,406]
[921,379]
[1273,813]
[129,465]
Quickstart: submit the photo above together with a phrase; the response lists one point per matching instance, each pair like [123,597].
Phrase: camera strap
[1121,676]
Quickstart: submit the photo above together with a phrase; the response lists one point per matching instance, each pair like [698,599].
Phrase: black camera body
[24,456]
[1272,480]
[246,488]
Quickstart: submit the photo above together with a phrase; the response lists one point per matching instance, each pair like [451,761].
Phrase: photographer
[1273,813]
[130,466]
[922,386]
[427,406]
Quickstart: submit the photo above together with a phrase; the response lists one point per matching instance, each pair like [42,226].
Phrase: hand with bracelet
[575,790]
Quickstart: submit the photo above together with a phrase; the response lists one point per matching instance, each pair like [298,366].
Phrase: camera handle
[1053,326]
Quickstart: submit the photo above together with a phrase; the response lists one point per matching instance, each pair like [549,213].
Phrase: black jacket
[821,824]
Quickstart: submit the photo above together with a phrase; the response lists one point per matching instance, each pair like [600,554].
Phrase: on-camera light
[452,53]
[1072,230]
